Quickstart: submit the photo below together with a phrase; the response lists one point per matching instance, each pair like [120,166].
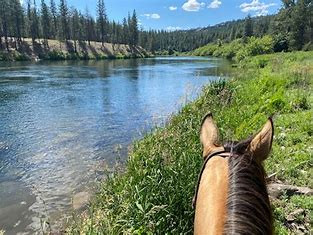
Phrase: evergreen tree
[101,20]
[87,26]
[45,22]
[298,26]
[248,27]
[125,31]
[75,26]
[33,20]
[18,20]
[54,25]
[134,29]
[4,22]
[64,32]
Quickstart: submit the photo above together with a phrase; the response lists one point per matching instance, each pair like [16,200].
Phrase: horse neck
[211,201]
[248,206]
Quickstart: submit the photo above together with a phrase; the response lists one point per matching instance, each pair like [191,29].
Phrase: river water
[62,123]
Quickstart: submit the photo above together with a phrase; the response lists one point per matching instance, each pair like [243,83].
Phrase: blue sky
[182,14]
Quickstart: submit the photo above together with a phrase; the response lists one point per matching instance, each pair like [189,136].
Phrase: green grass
[238,49]
[154,193]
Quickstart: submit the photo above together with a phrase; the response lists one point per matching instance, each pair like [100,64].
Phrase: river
[63,123]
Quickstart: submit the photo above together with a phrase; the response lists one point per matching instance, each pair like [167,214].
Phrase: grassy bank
[61,50]
[154,193]
[240,49]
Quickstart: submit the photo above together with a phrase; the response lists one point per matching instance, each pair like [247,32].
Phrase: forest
[63,23]
[291,29]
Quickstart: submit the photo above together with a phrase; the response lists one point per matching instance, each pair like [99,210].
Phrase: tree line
[291,28]
[61,22]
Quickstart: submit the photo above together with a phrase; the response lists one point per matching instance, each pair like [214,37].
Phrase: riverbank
[239,49]
[61,50]
[154,193]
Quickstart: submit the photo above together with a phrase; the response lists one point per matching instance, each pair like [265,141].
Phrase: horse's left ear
[209,136]
[261,144]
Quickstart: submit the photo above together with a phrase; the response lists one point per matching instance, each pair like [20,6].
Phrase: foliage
[238,49]
[63,23]
[291,29]
[154,193]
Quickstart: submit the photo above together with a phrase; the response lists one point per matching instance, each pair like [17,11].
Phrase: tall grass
[154,193]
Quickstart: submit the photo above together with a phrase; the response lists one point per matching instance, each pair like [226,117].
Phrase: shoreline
[70,50]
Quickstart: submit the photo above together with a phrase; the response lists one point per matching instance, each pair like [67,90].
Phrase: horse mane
[248,206]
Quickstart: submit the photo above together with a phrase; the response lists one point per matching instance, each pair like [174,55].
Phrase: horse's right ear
[209,136]
[261,144]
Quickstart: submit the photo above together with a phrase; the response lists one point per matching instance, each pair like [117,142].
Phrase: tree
[75,26]
[33,21]
[45,22]
[54,25]
[134,29]
[298,26]
[248,27]
[125,37]
[18,20]
[87,25]
[64,34]
[101,20]
[4,21]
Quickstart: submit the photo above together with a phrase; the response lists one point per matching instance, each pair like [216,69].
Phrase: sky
[181,14]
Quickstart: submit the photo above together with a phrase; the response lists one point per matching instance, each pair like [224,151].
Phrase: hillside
[58,50]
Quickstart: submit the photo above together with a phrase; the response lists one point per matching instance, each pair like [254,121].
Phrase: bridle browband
[206,159]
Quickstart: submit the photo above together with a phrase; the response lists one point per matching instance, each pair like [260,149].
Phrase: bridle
[223,154]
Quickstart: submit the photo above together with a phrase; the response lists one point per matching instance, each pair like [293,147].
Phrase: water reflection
[61,122]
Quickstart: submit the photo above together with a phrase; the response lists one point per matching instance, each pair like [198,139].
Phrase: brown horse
[231,196]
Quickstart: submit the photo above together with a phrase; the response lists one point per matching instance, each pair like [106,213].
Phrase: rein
[206,159]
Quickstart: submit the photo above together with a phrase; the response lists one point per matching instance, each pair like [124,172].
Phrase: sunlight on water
[61,123]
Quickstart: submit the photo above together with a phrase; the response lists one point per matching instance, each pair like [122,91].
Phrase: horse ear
[209,136]
[261,144]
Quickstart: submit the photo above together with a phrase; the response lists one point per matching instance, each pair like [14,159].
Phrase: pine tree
[75,26]
[102,20]
[4,21]
[134,29]
[87,25]
[33,20]
[125,31]
[54,25]
[299,16]
[64,32]
[45,22]
[248,27]
[18,20]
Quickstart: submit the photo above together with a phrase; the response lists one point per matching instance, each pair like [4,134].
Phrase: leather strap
[206,159]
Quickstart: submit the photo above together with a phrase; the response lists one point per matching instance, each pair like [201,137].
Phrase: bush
[56,55]
[238,49]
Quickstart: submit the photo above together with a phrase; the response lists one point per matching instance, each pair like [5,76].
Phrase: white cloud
[172,8]
[260,8]
[215,4]
[173,28]
[154,16]
[193,5]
